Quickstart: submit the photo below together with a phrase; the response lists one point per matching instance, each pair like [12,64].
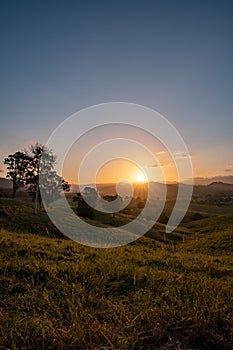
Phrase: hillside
[160,292]
[221,186]
[58,295]
[216,188]
[214,224]
[17,215]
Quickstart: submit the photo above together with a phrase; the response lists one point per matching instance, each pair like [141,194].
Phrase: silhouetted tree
[91,195]
[41,164]
[17,164]
[65,185]
[83,208]
[35,154]
[111,198]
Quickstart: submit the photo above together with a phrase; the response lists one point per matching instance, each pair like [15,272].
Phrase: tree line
[25,167]
[85,210]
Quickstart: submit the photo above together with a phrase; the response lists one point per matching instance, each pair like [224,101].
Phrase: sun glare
[141,178]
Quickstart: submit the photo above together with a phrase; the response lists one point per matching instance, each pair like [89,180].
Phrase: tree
[17,164]
[83,208]
[111,198]
[41,166]
[65,185]
[91,196]
[52,185]
[32,177]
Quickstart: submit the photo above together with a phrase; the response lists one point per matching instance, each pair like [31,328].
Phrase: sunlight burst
[141,178]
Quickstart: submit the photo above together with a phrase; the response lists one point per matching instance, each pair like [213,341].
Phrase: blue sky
[58,57]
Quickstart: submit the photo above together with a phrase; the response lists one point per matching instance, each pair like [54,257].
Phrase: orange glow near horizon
[124,170]
[119,170]
[159,168]
[141,178]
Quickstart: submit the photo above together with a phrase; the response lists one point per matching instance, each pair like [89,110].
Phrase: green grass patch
[57,294]
[160,292]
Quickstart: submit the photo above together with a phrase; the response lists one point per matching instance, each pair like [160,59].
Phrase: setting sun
[141,178]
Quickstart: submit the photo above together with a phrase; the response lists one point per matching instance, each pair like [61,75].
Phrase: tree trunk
[36,200]
[14,190]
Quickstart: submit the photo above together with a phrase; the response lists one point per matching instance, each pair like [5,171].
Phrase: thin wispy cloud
[161,153]
[181,155]
[154,165]
[170,164]
[151,165]
[229,168]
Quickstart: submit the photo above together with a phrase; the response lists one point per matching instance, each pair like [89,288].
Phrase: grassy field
[157,293]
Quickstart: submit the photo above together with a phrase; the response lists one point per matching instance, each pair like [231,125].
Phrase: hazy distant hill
[218,185]
[140,190]
[208,180]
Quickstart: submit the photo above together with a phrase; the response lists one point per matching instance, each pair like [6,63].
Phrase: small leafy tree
[65,186]
[84,209]
[111,198]
[90,194]
[52,185]
[17,164]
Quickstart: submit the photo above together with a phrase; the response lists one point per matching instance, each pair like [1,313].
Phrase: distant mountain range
[140,190]
[208,180]
[5,183]
[202,186]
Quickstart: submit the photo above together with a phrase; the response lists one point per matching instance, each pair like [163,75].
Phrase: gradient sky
[58,57]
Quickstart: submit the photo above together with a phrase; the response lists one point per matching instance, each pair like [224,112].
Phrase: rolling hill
[57,294]
[159,292]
